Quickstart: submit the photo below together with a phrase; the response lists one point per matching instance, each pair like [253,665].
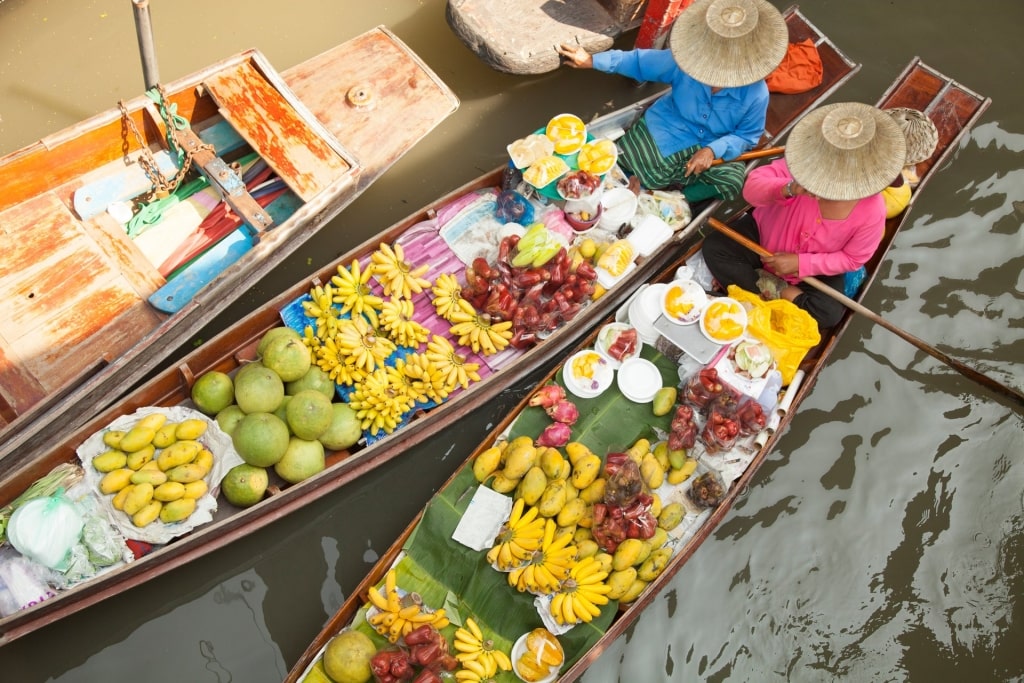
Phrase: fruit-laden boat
[573,515]
[224,167]
[430,237]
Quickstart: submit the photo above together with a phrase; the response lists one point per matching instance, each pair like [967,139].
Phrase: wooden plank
[273,128]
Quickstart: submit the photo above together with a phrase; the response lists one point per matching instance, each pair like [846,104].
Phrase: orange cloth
[799,71]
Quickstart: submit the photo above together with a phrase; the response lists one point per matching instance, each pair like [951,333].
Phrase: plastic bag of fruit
[721,429]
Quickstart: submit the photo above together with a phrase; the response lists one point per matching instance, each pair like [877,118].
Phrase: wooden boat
[90,310]
[237,345]
[450,574]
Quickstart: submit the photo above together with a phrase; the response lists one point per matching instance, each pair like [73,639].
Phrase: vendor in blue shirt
[721,52]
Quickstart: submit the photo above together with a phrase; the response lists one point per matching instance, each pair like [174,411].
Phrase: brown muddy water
[883,541]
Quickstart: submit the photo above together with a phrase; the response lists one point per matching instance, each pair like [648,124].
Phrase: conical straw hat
[921,134]
[846,151]
[729,43]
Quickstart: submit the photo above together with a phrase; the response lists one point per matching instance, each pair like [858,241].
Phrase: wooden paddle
[964,370]
[754,154]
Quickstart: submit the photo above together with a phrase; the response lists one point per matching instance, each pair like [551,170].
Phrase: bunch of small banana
[447,293]
[426,378]
[322,309]
[362,347]
[405,373]
[398,615]
[477,331]
[352,291]
[331,358]
[550,564]
[456,369]
[479,658]
[396,319]
[309,338]
[398,276]
[519,538]
[379,404]
[580,593]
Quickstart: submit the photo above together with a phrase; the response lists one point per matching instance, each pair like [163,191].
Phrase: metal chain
[146,159]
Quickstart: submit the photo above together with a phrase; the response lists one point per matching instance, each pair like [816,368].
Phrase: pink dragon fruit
[555,434]
[547,396]
[563,411]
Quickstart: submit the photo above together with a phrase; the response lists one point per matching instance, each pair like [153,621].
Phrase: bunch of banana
[333,360]
[454,366]
[352,291]
[447,292]
[425,377]
[309,338]
[403,374]
[580,593]
[478,655]
[520,537]
[396,319]
[550,564]
[398,615]
[398,276]
[379,404]
[362,347]
[321,308]
[476,330]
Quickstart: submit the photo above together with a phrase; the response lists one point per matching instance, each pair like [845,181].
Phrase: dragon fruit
[547,396]
[555,434]
[563,411]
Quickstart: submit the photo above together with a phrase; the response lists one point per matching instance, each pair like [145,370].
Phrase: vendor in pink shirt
[820,211]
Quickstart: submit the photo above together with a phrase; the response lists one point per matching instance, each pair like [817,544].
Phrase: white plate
[740,317]
[587,387]
[684,291]
[639,380]
[517,651]
[606,337]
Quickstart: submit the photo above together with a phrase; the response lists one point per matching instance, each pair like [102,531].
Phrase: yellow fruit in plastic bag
[597,156]
[568,132]
[545,170]
[526,151]
[617,257]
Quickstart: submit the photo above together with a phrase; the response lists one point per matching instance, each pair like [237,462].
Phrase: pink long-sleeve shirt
[795,226]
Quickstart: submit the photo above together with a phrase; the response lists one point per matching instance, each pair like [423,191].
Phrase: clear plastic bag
[46,529]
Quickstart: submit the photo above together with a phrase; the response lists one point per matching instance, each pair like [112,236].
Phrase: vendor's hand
[700,162]
[575,56]
[782,263]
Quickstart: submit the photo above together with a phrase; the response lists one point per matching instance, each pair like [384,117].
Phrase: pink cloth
[824,246]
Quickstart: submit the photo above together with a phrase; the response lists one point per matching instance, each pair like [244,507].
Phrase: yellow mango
[587,548]
[111,460]
[532,485]
[178,453]
[139,497]
[136,438]
[605,560]
[619,582]
[645,551]
[552,499]
[571,512]
[565,471]
[638,449]
[519,459]
[112,437]
[195,489]
[563,530]
[485,464]
[165,436]
[585,471]
[627,553]
[118,500]
[186,473]
[594,492]
[138,459]
[115,480]
[168,491]
[660,452]
[655,504]
[152,421]
[655,564]
[150,465]
[551,462]
[582,535]
[177,510]
[587,520]
[659,539]
[152,477]
[663,401]
[205,460]
[671,515]
[576,450]
[503,484]
[634,591]
[191,429]
[147,513]
[651,472]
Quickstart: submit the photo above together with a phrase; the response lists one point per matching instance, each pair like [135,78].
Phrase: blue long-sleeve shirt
[730,121]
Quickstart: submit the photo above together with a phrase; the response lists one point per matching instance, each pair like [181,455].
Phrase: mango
[566,470]
[205,460]
[587,548]
[519,459]
[551,462]
[168,491]
[138,459]
[115,480]
[552,500]
[651,472]
[645,552]
[150,465]
[177,510]
[582,534]
[165,436]
[532,485]
[136,438]
[659,538]
[152,477]
[486,462]
[186,473]
[585,471]
[655,564]
[671,515]
[627,554]
[594,492]
[576,450]
[638,449]
[634,591]
[676,458]
[111,460]
[112,437]
[605,560]
[503,484]
[178,453]
[655,505]
[587,520]
[190,429]
[571,512]
[139,497]
[195,489]
[663,401]
[660,453]
[147,513]
[619,582]
[118,500]
[152,421]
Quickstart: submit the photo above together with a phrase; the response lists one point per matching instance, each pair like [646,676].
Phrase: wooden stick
[963,369]
[754,154]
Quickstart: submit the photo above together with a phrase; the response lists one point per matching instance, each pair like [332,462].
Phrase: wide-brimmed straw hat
[846,151]
[919,130]
[729,43]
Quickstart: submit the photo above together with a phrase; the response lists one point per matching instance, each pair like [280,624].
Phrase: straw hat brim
[729,43]
[846,151]
[919,130]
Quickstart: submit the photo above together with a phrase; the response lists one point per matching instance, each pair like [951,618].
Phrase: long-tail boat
[461,576]
[421,233]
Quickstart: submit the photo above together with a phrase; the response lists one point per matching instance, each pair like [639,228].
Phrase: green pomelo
[272,334]
[282,410]
[309,414]
[261,439]
[316,379]
[244,485]
[345,429]
[258,389]
[213,392]
[229,417]
[288,357]
[301,460]
[347,657]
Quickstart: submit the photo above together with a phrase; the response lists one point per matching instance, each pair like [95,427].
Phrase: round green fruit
[347,657]
[316,379]
[288,357]
[261,439]
[301,460]
[228,418]
[244,485]
[345,430]
[213,392]
[272,334]
[309,414]
[258,389]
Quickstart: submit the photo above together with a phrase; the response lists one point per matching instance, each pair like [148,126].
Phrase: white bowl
[683,291]
[639,380]
[606,337]
[517,651]
[619,208]
[740,317]
[588,387]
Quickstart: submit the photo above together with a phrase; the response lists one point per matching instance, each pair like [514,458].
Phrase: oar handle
[754,154]
[963,369]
